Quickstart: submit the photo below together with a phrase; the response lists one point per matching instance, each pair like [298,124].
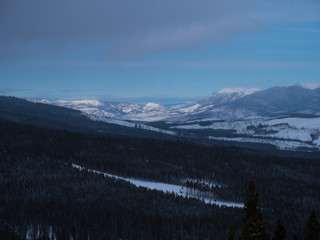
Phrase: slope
[49,116]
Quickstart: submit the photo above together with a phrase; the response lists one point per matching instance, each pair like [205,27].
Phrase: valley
[230,115]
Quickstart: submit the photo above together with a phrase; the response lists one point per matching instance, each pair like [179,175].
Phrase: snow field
[164,187]
[131,124]
[285,133]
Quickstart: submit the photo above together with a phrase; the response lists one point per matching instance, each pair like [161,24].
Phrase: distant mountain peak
[81,102]
[239,90]
[153,107]
[227,95]
[307,85]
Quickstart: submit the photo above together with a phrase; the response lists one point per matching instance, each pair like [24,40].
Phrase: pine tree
[231,233]
[313,227]
[280,232]
[254,226]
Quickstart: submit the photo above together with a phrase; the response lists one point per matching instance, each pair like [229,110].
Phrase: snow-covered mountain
[227,95]
[230,103]
[276,101]
[284,117]
[150,111]
[128,111]
[206,105]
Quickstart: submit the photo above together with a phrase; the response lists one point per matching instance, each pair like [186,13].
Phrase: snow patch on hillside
[302,132]
[189,109]
[280,144]
[317,142]
[306,123]
[130,124]
[178,190]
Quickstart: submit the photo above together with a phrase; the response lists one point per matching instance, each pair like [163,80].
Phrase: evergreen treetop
[280,232]
[313,227]
[254,226]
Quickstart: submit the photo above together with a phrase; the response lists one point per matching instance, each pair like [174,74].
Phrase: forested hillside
[40,189]
[37,114]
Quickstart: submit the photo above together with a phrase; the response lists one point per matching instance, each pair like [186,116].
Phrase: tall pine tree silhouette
[313,227]
[231,234]
[280,232]
[254,226]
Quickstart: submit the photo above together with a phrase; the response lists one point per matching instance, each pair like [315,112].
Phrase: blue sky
[166,52]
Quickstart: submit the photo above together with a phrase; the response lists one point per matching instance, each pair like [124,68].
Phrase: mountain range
[285,118]
[231,103]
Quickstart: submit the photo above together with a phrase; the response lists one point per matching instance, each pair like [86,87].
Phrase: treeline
[289,187]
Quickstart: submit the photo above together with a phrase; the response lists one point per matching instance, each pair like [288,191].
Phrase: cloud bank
[136,28]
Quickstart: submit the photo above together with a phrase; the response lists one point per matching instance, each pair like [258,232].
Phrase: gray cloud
[67,91]
[8,90]
[129,29]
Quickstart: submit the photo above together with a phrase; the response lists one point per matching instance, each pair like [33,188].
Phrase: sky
[160,51]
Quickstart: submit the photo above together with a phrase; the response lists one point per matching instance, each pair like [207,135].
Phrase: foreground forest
[41,192]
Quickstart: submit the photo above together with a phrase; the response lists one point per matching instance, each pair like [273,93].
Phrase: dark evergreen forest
[42,193]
